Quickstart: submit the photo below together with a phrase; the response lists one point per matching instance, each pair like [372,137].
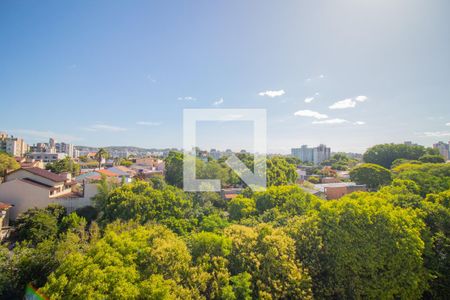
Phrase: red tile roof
[4,206]
[44,173]
[36,183]
[107,173]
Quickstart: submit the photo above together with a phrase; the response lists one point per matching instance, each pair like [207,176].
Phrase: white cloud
[346,103]
[147,123]
[361,98]
[437,133]
[104,127]
[309,99]
[359,123]
[44,134]
[218,102]
[321,76]
[310,113]
[448,124]
[151,79]
[331,121]
[187,98]
[272,94]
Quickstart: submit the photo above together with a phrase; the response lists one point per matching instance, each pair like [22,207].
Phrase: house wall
[71,204]
[335,192]
[23,196]
[21,174]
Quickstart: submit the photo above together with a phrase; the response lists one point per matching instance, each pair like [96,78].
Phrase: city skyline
[326,73]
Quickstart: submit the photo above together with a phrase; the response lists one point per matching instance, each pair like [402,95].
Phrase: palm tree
[100,155]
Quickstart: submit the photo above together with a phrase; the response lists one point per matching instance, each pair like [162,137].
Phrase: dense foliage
[374,176]
[151,240]
[64,165]
[385,154]
[7,163]
[280,170]
[339,161]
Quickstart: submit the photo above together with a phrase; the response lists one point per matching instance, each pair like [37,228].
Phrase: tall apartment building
[444,149]
[315,155]
[65,148]
[12,145]
[52,147]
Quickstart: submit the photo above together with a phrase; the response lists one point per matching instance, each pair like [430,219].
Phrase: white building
[315,155]
[12,145]
[46,156]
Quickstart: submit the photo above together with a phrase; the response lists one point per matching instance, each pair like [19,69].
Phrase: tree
[100,156]
[64,165]
[339,161]
[130,261]
[209,243]
[385,154]
[36,225]
[280,172]
[435,159]
[174,169]
[430,178]
[140,202]
[26,264]
[240,207]
[7,163]
[72,222]
[291,200]
[372,175]
[242,286]
[268,255]
[362,247]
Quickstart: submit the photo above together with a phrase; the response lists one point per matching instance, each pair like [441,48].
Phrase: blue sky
[120,73]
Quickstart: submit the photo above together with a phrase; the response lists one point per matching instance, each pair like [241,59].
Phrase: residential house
[26,188]
[30,163]
[337,190]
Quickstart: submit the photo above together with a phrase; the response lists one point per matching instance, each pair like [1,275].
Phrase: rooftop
[43,173]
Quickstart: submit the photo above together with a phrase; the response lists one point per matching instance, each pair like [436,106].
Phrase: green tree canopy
[357,247]
[36,225]
[64,165]
[432,158]
[139,201]
[174,169]
[7,163]
[372,175]
[385,154]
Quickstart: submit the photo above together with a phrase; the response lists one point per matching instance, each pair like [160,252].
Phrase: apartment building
[314,155]
[443,148]
[46,157]
[12,145]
